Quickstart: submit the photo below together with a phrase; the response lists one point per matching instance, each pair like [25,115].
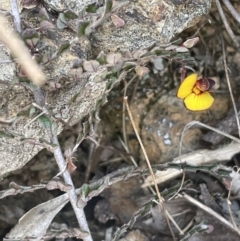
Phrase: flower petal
[186,86]
[202,101]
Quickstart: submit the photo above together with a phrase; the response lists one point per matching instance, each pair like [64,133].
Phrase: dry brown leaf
[29,224]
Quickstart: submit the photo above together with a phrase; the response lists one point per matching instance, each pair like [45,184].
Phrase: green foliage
[45,121]
[64,46]
[5,135]
[81,28]
[61,21]
[91,8]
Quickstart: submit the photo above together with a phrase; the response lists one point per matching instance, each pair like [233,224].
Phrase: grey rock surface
[146,23]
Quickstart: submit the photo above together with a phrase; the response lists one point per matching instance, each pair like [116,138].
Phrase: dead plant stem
[79,212]
[124,117]
[228,28]
[210,211]
[149,167]
[16,15]
[228,203]
[229,84]
[232,10]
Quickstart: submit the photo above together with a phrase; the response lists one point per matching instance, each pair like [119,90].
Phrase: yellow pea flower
[194,91]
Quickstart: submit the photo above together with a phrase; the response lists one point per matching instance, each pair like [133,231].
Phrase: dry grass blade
[196,158]
[79,212]
[150,168]
[20,51]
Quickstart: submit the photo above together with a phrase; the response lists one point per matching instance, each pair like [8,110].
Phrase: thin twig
[124,116]
[127,150]
[192,123]
[232,10]
[228,202]
[172,220]
[17,189]
[129,83]
[228,28]
[175,194]
[124,142]
[79,212]
[134,162]
[229,84]
[210,211]
[16,15]
[189,225]
[31,121]
[150,168]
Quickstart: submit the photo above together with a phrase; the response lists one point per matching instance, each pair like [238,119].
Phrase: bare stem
[229,85]
[16,16]
[79,212]
[232,10]
[167,215]
[228,28]
[211,212]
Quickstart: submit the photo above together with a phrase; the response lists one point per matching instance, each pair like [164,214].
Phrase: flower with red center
[194,91]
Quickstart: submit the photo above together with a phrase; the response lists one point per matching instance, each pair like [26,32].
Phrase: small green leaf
[61,21]
[158,52]
[91,8]
[129,65]
[32,111]
[63,47]
[109,6]
[85,189]
[45,121]
[224,172]
[82,200]
[5,135]
[101,58]
[54,128]
[23,113]
[31,37]
[48,144]
[81,28]
[70,15]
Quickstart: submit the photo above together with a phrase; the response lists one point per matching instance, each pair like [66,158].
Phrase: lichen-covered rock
[147,23]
